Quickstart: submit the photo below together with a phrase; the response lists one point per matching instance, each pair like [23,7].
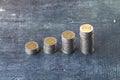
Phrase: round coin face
[68,34]
[86,28]
[50,41]
[31,45]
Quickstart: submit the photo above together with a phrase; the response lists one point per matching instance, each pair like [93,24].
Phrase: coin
[31,47]
[86,38]
[68,41]
[50,45]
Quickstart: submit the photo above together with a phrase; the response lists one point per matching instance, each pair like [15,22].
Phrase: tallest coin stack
[86,38]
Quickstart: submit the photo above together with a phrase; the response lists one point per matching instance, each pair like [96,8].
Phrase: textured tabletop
[27,20]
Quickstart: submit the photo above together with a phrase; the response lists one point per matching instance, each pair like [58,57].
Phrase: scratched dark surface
[26,20]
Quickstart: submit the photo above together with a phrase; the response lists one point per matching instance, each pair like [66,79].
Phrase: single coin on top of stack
[86,38]
[68,42]
[31,48]
[50,45]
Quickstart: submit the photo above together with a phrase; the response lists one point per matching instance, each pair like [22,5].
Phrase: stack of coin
[86,38]
[68,41]
[50,45]
[31,48]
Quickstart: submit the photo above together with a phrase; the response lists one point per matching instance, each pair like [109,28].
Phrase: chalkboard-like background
[26,20]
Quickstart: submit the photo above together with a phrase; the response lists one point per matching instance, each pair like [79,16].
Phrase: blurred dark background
[26,20]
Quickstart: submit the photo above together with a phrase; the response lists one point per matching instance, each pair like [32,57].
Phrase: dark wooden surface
[26,20]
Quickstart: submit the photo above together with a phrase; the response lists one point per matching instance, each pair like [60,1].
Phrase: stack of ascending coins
[86,38]
[50,45]
[68,41]
[31,47]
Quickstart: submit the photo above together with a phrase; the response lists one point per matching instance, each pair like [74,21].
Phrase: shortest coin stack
[31,48]
[50,45]
[68,42]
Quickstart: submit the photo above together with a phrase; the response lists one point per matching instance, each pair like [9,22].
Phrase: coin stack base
[68,42]
[50,45]
[31,48]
